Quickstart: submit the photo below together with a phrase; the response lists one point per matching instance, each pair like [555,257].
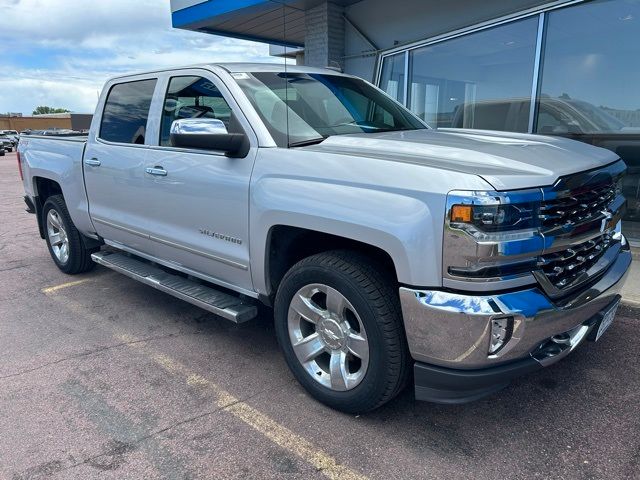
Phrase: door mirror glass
[208,134]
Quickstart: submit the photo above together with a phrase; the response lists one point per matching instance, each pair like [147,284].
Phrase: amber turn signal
[461,213]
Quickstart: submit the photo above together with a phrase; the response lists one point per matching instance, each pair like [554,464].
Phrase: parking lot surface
[102,377]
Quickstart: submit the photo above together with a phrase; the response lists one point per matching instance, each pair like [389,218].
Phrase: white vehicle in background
[471,257]
[13,135]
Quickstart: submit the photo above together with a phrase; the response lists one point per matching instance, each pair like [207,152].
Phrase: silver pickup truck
[383,246]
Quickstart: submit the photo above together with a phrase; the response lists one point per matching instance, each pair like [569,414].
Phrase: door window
[126,111]
[192,97]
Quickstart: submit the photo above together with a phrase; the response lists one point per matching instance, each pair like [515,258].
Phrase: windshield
[312,107]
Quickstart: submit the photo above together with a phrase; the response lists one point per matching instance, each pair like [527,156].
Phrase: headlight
[491,237]
[494,218]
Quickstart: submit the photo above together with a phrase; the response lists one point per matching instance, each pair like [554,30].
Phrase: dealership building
[567,68]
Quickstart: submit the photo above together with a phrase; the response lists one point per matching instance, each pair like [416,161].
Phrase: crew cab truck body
[383,245]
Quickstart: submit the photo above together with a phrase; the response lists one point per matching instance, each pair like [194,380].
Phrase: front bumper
[449,333]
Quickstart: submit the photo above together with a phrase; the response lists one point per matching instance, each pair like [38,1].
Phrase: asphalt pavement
[102,377]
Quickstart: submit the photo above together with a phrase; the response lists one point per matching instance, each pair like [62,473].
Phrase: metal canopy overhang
[278,22]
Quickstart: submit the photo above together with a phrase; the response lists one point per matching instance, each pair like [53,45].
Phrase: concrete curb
[631,305]
[629,308]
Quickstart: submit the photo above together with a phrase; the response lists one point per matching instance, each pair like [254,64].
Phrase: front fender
[399,224]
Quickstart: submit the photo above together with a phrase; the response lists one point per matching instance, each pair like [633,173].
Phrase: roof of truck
[239,68]
[270,67]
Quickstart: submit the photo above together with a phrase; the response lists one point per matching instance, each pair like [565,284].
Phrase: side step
[214,301]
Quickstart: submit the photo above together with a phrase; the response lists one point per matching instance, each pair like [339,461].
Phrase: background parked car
[12,134]
[7,143]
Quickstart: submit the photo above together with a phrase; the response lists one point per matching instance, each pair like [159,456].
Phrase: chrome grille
[578,206]
[563,268]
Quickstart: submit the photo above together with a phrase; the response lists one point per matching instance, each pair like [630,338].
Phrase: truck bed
[57,158]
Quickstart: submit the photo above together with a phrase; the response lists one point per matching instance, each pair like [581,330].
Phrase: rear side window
[126,111]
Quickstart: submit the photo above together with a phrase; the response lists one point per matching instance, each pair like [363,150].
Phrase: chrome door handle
[94,162]
[159,171]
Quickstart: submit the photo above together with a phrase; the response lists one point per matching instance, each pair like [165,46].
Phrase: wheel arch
[288,244]
[44,188]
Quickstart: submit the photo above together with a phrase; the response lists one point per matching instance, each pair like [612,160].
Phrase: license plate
[607,319]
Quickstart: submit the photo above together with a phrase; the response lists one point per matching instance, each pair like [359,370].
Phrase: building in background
[568,68]
[70,121]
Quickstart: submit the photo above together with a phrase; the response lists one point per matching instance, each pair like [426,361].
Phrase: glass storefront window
[589,86]
[481,80]
[392,76]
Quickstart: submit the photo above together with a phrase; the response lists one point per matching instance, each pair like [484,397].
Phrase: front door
[200,197]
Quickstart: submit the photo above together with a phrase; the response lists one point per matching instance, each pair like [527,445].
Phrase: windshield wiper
[304,143]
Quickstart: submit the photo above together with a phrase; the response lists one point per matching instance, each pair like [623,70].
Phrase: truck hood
[508,161]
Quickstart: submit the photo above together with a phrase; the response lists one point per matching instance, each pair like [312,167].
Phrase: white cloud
[24,94]
[62,51]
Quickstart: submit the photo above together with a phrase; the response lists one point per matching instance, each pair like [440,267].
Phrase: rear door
[114,164]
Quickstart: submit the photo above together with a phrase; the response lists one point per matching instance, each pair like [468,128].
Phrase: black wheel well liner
[287,245]
[44,188]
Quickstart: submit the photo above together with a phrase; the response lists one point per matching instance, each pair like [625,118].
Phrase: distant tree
[43,110]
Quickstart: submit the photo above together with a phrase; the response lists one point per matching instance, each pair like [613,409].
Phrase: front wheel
[65,242]
[339,324]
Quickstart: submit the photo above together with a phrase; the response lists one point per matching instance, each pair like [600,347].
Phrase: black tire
[375,298]
[79,259]
[1,153]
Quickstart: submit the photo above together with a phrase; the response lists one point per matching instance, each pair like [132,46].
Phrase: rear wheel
[65,242]
[339,325]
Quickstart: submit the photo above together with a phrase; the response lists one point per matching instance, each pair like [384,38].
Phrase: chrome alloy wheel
[328,337]
[57,236]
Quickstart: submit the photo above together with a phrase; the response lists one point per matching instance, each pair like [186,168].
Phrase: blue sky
[60,52]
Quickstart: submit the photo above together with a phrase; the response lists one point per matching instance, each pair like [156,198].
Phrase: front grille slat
[576,207]
[565,267]
[573,212]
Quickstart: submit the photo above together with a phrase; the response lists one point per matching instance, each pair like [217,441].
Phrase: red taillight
[19,165]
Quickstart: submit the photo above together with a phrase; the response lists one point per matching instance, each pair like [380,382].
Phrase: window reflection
[392,76]
[589,87]
[482,80]
[126,111]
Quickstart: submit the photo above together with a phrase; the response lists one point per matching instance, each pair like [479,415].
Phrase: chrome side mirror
[208,134]
[198,126]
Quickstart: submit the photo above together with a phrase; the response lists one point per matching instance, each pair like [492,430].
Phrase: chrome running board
[214,301]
